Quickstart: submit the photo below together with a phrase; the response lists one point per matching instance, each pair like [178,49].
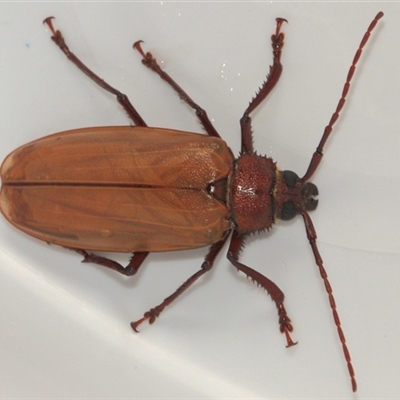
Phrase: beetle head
[292,196]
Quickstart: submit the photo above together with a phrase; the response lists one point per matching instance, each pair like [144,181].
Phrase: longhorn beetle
[141,189]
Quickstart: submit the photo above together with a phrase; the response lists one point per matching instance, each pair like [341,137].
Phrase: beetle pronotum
[140,189]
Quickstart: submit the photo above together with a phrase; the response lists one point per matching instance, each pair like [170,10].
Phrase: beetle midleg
[150,62]
[122,98]
[285,326]
[272,79]
[208,263]
[131,269]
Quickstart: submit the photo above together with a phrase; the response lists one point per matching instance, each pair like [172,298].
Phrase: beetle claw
[289,340]
[137,46]
[48,20]
[134,325]
[286,327]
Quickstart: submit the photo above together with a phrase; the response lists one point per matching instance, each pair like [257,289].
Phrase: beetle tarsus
[131,269]
[150,316]
[148,60]
[285,325]
[57,37]
[277,39]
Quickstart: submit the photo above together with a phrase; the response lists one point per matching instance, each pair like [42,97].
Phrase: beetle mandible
[141,189]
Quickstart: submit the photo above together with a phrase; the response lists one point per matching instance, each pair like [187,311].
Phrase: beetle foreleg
[285,325]
[272,79]
[122,98]
[150,62]
[131,269]
[208,263]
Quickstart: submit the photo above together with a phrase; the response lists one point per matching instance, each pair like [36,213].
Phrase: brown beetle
[140,189]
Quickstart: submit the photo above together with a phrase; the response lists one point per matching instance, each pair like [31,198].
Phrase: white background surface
[64,326]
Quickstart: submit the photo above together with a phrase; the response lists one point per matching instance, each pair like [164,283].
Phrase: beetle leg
[272,79]
[131,269]
[208,263]
[122,98]
[276,294]
[150,62]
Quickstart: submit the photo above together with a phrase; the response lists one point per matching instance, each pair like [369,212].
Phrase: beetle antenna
[312,238]
[317,156]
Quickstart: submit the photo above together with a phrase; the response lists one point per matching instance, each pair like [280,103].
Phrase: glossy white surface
[65,325]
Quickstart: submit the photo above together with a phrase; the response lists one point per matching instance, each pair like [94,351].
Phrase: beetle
[138,189]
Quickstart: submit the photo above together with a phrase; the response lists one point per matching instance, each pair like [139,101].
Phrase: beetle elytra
[138,189]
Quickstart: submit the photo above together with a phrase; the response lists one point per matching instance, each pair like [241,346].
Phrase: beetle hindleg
[122,98]
[208,263]
[150,62]
[131,269]
[272,79]
[276,294]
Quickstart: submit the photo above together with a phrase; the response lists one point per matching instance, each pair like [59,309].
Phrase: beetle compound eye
[290,178]
[288,210]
